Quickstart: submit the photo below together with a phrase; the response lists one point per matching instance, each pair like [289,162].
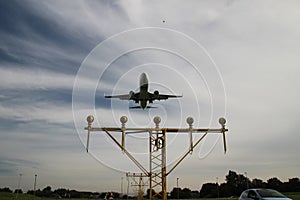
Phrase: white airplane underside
[143,96]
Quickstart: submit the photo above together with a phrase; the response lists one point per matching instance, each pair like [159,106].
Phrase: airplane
[143,96]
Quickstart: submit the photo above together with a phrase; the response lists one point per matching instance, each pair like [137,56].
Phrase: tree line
[236,183]
[233,186]
[62,193]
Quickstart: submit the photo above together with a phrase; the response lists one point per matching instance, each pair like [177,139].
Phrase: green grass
[13,196]
[293,195]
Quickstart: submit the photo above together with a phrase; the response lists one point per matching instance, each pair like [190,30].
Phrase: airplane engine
[131,93]
[156,94]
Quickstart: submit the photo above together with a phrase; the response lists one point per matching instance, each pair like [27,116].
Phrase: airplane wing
[165,96]
[130,96]
[139,107]
[157,96]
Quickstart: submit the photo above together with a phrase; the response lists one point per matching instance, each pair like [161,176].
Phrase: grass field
[293,195]
[12,196]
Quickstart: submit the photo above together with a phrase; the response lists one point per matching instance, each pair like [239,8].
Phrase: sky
[233,59]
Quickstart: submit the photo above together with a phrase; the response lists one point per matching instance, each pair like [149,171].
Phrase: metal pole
[150,166]
[140,192]
[34,186]
[163,170]
[128,154]
[187,153]
[177,189]
[127,187]
[90,120]
[218,194]
[121,186]
[19,182]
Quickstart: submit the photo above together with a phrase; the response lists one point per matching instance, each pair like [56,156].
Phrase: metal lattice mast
[138,182]
[157,161]
[157,172]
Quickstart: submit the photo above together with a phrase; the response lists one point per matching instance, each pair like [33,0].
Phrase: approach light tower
[157,171]
[138,182]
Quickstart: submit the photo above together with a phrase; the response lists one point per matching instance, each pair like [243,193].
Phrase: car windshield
[270,193]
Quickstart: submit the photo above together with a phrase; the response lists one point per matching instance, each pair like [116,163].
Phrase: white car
[262,194]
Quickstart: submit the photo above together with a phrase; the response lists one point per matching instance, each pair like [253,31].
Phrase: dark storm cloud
[32,39]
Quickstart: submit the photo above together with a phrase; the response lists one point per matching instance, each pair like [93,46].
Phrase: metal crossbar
[157,172]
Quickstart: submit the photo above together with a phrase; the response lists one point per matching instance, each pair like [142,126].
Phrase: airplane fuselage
[143,90]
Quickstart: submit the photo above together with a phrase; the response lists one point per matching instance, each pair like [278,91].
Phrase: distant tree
[74,194]
[148,193]
[175,193]
[274,183]
[116,195]
[232,182]
[236,183]
[6,189]
[241,184]
[30,192]
[39,193]
[18,191]
[186,193]
[224,190]
[257,183]
[46,192]
[61,192]
[94,195]
[47,189]
[209,190]
[195,194]
[293,185]
[102,195]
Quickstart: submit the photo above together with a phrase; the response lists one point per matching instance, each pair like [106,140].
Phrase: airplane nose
[143,79]
[143,76]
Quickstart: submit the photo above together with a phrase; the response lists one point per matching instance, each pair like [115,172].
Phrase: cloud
[44,45]
[9,166]
[34,79]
